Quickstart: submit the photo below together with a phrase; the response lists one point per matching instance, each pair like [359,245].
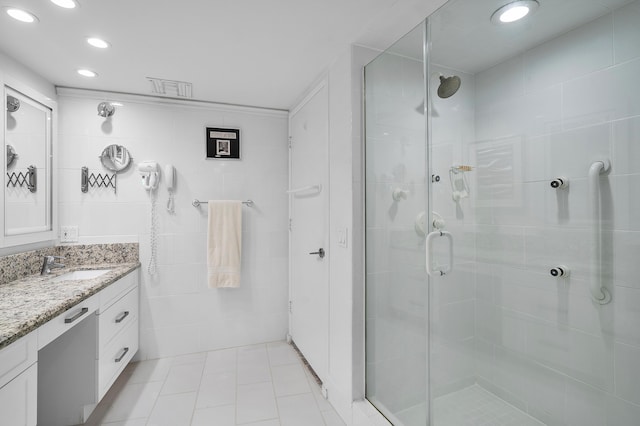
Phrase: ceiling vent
[170,88]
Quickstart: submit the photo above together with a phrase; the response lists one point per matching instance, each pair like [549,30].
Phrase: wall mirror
[115,158]
[27,195]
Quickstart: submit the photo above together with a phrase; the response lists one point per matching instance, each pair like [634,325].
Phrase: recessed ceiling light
[67,4]
[87,73]
[21,15]
[97,42]
[514,11]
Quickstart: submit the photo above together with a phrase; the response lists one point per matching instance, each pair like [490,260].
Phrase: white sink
[80,275]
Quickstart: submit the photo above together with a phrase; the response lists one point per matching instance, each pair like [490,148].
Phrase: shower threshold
[475,406]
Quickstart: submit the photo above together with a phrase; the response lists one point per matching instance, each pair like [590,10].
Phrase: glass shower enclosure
[503,217]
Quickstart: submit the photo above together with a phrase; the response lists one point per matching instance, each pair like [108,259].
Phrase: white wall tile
[626,32]
[623,201]
[548,247]
[626,252]
[571,153]
[176,305]
[501,245]
[585,405]
[489,87]
[624,315]
[602,96]
[167,341]
[627,375]
[625,147]
[621,412]
[586,49]
[582,356]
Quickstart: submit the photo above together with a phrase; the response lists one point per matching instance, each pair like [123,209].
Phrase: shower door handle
[441,269]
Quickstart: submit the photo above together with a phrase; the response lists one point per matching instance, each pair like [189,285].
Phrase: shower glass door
[518,335]
[396,283]
[524,155]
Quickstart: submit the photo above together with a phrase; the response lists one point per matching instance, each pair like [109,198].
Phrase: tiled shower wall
[541,343]
[179,313]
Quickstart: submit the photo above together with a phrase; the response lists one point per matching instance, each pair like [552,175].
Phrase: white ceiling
[247,52]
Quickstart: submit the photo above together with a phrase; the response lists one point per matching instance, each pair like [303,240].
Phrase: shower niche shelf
[99,180]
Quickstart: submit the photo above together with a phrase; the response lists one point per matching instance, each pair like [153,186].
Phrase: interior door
[309,204]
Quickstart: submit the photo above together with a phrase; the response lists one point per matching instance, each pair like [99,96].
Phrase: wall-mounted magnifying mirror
[11,155]
[115,158]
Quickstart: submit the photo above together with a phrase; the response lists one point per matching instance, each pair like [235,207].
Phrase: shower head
[13,104]
[448,86]
[106,109]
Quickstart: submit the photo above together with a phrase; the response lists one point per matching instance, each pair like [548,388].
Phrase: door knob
[320,252]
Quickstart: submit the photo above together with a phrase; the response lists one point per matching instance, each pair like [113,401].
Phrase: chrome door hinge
[290,224]
[290,142]
[290,306]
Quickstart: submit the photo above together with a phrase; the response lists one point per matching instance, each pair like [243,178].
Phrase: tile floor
[475,406]
[260,385]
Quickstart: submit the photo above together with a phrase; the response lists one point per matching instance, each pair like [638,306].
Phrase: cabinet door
[18,399]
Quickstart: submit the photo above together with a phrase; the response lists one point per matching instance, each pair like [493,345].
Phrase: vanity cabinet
[117,331]
[18,381]
[57,374]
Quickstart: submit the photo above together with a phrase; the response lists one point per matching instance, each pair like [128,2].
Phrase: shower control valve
[560,271]
[560,182]
[399,194]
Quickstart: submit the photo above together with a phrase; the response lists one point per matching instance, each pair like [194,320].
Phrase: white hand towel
[224,244]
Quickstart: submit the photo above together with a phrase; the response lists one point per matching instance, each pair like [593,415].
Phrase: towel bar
[196,203]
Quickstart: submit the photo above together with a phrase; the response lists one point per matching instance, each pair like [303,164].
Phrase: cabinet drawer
[19,399]
[16,357]
[49,331]
[117,317]
[115,356]
[115,291]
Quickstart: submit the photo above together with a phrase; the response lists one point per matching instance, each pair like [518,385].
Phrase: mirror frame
[51,175]
[105,158]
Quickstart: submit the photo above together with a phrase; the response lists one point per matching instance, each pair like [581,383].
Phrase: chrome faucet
[49,263]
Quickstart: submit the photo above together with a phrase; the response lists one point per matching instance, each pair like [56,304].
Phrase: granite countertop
[27,303]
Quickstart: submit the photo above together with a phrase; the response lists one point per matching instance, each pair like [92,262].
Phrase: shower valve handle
[320,252]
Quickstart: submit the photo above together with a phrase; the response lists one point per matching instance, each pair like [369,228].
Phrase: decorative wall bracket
[28,179]
[100,180]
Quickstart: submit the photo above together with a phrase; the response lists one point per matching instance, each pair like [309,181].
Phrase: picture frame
[222,144]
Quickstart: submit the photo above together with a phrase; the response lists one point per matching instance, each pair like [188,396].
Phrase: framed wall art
[223,144]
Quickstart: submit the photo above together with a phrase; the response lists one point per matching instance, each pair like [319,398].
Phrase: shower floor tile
[474,406]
